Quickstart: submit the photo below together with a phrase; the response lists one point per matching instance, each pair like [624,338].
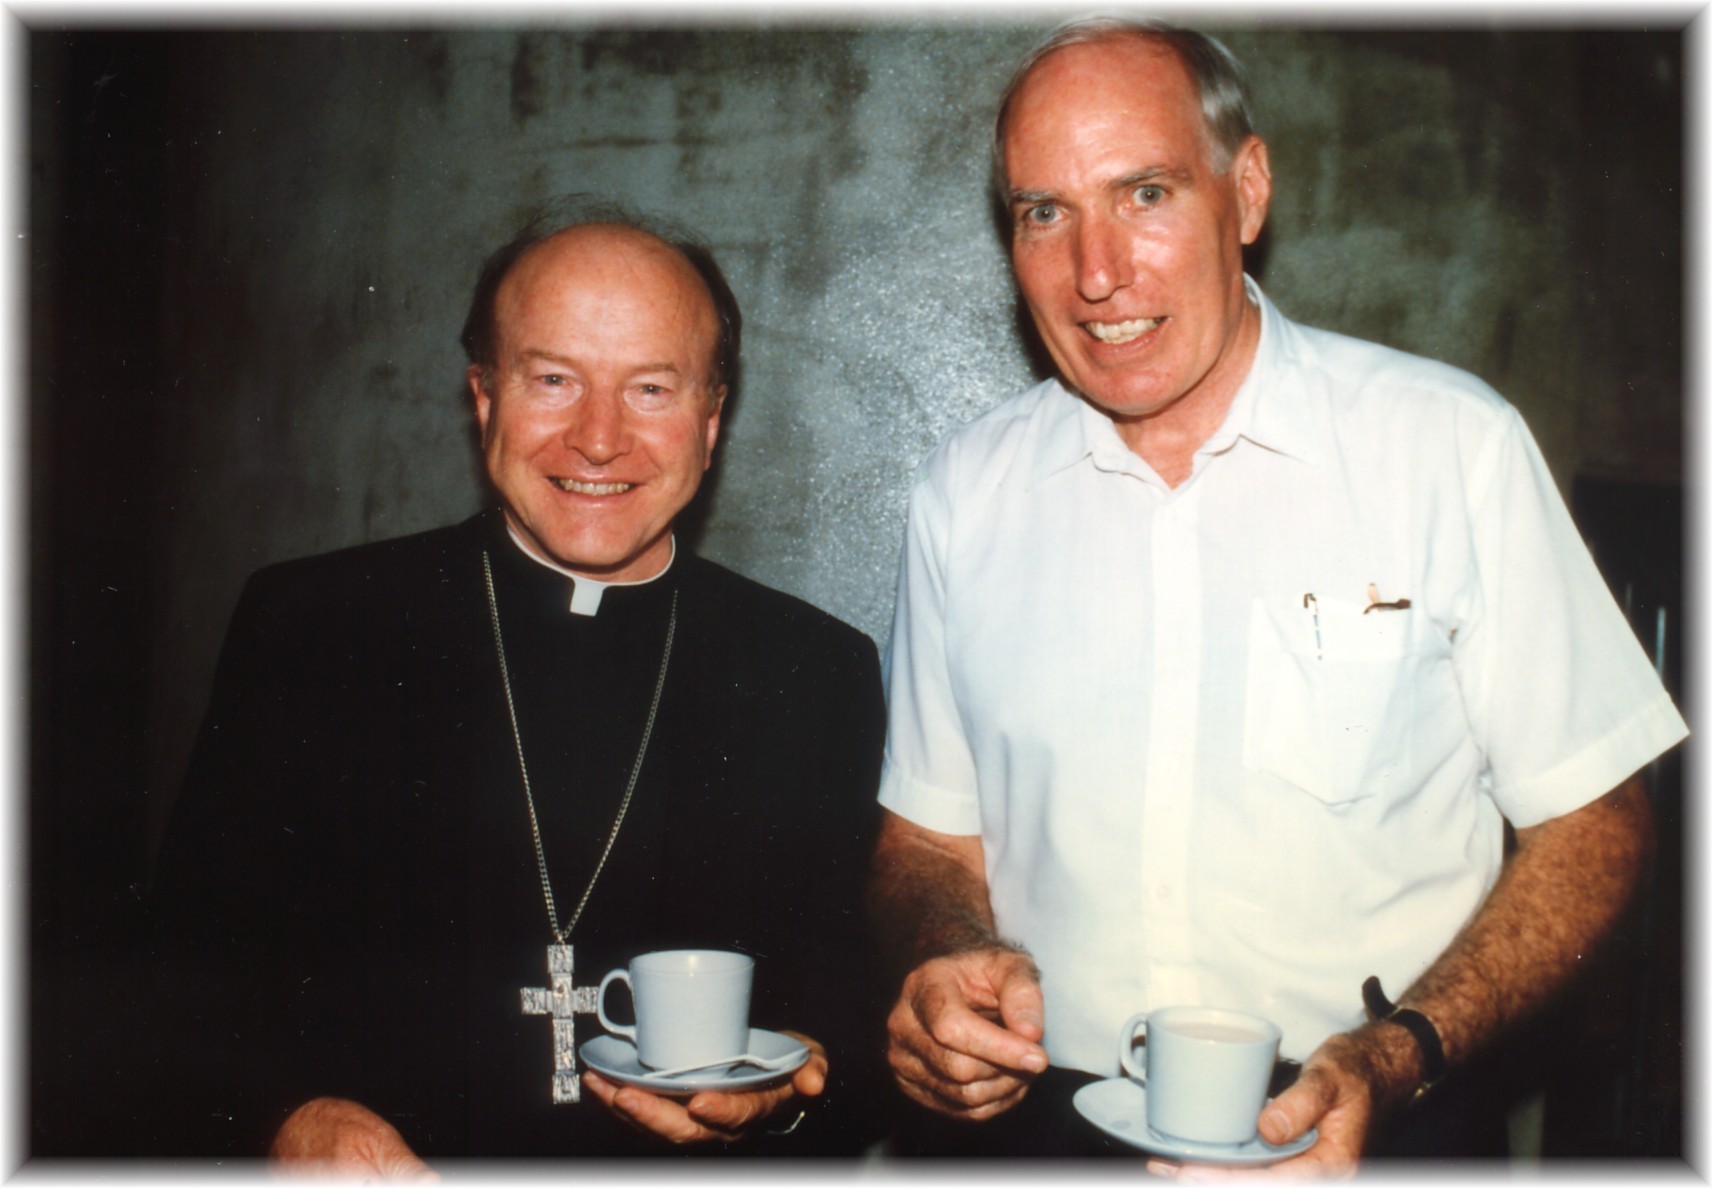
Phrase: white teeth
[1118,333]
[565,484]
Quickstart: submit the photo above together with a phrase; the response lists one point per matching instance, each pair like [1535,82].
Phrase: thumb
[1294,1111]
[1022,1007]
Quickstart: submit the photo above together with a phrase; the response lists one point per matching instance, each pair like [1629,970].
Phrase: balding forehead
[613,258]
[605,251]
[1127,56]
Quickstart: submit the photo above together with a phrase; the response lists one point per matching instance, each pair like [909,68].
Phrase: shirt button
[1163,891]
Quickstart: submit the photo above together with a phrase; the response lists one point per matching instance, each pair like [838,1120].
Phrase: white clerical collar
[586,591]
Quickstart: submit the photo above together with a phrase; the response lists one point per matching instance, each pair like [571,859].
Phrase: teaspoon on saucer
[760,1062]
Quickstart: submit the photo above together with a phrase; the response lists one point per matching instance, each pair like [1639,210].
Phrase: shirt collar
[1267,410]
[1072,430]
[586,592]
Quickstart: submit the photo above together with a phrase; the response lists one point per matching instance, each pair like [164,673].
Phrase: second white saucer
[1118,1106]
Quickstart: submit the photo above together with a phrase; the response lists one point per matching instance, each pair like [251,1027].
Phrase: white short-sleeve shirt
[1201,769]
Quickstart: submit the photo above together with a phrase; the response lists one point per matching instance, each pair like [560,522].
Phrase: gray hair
[1218,78]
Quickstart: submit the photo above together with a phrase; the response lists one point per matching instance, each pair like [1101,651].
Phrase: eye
[1148,195]
[1043,215]
[649,396]
[555,386]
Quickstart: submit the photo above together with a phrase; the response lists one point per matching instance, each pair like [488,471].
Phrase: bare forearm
[927,896]
[1559,898]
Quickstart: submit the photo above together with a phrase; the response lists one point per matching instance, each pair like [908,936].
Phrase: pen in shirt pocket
[1309,602]
[1374,602]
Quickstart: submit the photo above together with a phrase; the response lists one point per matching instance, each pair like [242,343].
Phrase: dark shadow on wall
[96,254]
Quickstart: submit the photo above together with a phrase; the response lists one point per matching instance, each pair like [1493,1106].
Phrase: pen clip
[1374,603]
[1309,602]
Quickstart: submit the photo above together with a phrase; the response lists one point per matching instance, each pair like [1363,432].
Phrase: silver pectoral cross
[564,1002]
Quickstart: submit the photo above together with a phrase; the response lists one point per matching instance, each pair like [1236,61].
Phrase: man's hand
[965,1033]
[1345,1084]
[966,1029]
[711,1116]
[332,1137]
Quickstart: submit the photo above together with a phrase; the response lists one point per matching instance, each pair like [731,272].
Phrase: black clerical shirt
[350,894]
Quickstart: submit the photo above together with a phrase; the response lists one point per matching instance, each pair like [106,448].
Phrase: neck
[586,591]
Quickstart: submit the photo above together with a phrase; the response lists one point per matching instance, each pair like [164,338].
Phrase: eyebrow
[534,353]
[1019,197]
[1151,174]
[1140,177]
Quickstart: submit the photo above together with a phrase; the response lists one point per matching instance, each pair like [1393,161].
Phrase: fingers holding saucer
[650,1113]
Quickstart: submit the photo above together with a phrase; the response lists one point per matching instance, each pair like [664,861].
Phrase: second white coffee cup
[1206,1070]
[692,1006]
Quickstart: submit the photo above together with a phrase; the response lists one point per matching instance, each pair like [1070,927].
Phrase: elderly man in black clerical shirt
[433,765]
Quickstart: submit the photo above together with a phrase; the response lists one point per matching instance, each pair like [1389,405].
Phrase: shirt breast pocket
[1328,701]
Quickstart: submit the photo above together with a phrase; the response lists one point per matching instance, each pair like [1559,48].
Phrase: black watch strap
[1382,1009]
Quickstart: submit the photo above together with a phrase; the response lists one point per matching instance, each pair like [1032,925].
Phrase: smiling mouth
[1118,333]
[576,488]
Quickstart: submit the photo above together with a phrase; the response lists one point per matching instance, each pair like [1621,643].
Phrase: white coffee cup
[692,1006]
[1206,1070]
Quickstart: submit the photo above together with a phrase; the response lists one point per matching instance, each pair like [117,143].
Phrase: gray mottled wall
[1505,200]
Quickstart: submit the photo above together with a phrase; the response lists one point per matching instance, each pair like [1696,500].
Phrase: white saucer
[615,1059]
[1119,1107]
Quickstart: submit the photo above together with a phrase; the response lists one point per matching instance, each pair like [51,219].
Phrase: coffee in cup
[692,1006]
[1206,1071]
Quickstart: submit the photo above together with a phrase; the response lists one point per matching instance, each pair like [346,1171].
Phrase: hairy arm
[1559,898]
[963,1036]
[928,895]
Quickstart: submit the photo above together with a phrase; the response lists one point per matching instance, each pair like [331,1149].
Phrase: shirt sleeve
[928,775]
[1559,692]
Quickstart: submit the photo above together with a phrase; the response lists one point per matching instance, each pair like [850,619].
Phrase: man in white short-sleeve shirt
[1220,661]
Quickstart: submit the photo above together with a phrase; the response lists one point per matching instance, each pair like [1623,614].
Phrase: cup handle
[623,975]
[1126,1048]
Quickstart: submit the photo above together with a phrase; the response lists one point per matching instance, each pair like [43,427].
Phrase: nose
[1102,264]
[597,428]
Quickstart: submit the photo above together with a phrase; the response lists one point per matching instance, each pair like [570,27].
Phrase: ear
[1252,173]
[713,425]
[483,401]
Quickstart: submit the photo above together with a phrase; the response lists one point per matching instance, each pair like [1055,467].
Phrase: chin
[1129,407]
[595,564]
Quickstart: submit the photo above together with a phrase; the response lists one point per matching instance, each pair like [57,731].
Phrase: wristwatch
[1383,1010]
